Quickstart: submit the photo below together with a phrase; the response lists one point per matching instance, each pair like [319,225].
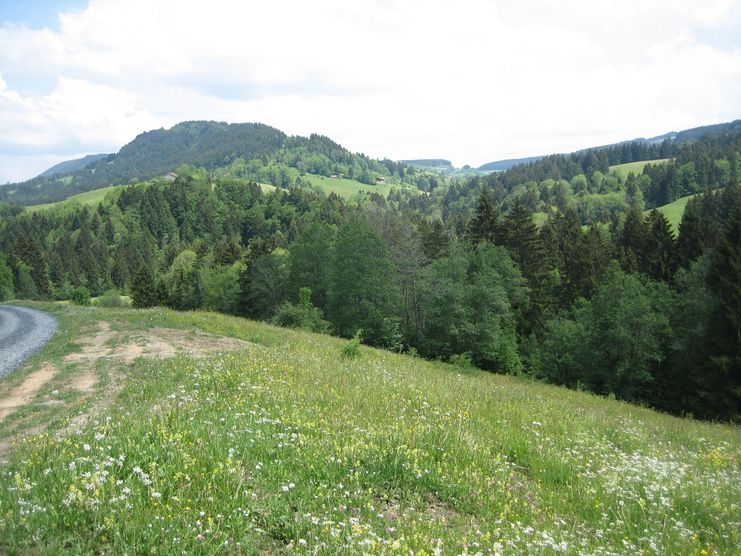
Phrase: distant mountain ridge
[430,162]
[501,165]
[259,152]
[680,136]
[208,144]
[69,166]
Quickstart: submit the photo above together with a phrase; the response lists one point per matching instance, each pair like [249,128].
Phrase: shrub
[304,315]
[462,360]
[80,296]
[293,316]
[111,298]
[352,348]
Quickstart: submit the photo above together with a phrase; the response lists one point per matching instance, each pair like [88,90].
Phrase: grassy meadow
[622,170]
[289,446]
[674,211]
[94,197]
[344,187]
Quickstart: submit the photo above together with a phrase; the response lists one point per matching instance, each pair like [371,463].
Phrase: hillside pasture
[622,170]
[91,198]
[674,211]
[346,188]
[279,444]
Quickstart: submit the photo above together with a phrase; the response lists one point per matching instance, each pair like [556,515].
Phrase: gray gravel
[23,331]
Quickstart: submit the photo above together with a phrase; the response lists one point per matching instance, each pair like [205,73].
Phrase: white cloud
[76,113]
[472,81]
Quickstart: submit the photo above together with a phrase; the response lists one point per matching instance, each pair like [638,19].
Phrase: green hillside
[623,170]
[674,211]
[94,197]
[253,151]
[285,445]
[70,166]
[344,187]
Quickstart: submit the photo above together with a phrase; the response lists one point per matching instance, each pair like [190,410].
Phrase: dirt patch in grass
[26,391]
[116,348]
[85,382]
[435,510]
[122,347]
[125,346]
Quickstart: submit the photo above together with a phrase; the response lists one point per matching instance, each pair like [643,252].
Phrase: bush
[80,296]
[352,348]
[293,316]
[111,298]
[304,315]
[462,360]
[391,336]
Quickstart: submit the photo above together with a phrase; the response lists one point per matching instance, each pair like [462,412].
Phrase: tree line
[625,308]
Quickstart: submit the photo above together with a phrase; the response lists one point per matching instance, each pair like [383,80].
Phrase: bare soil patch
[127,346]
[26,391]
[118,348]
[435,509]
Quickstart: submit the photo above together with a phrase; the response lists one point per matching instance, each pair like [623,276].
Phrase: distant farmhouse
[171,176]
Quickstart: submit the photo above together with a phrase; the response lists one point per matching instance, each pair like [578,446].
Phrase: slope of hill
[93,197]
[689,135]
[623,170]
[263,153]
[677,138]
[280,444]
[674,211]
[437,163]
[501,165]
[71,166]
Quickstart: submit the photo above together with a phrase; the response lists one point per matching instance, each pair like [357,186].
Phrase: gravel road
[22,332]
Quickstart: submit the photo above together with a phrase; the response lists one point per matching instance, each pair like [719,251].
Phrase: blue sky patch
[37,14]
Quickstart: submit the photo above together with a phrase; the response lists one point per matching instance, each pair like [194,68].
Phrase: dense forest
[599,295]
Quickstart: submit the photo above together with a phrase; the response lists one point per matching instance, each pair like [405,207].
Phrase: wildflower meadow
[286,446]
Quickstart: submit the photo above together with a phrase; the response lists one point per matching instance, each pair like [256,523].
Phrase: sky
[470,81]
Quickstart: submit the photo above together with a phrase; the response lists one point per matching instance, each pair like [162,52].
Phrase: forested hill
[632,150]
[70,166]
[251,150]
[501,165]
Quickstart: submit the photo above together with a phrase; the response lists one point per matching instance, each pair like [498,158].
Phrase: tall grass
[288,446]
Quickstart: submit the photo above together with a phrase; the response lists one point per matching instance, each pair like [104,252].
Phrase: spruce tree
[632,241]
[144,292]
[725,338]
[6,280]
[660,247]
[526,247]
[691,241]
[485,222]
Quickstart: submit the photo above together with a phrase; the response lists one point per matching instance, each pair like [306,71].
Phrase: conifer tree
[660,247]
[485,222]
[144,292]
[6,280]
[632,241]
[526,247]
[725,335]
